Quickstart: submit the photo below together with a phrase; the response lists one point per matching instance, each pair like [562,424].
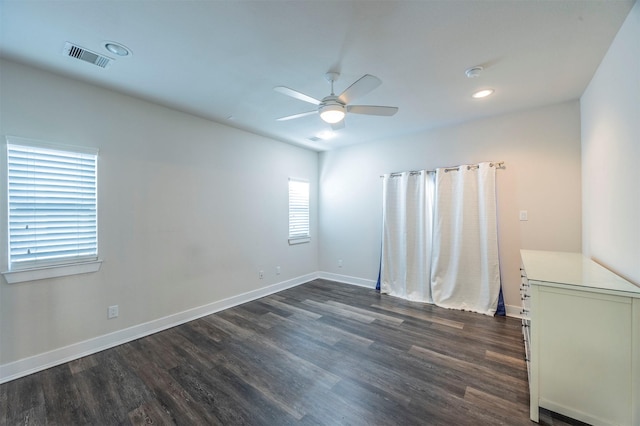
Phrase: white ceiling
[221,59]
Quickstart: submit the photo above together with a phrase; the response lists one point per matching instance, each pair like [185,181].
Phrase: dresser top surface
[574,270]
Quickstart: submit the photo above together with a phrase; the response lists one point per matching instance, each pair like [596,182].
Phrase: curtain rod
[498,165]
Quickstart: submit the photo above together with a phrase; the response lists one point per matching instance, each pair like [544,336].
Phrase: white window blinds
[52,206]
[298,211]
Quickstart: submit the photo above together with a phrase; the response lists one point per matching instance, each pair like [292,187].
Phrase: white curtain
[406,243]
[465,270]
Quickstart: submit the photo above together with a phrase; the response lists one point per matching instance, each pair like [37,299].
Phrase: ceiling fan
[332,108]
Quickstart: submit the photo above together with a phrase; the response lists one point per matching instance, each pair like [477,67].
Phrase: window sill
[42,273]
[293,241]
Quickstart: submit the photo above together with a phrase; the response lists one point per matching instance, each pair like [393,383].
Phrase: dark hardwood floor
[321,353]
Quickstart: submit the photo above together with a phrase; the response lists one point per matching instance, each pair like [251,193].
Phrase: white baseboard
[33,364]
[346,279]
[514,311]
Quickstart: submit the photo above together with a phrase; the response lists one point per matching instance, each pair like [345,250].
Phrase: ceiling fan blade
[337,126]
[302,114]
[361,87]
[372,109]
[297,95]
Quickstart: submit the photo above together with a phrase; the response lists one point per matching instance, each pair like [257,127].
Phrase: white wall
[610,117]
[541,150]
[189,211]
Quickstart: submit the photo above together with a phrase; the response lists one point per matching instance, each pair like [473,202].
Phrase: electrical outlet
[524,215]
[261,274]
[112,312]
[339,263]
[277,270]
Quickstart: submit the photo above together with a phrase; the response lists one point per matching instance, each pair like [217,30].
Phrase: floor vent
[83,54]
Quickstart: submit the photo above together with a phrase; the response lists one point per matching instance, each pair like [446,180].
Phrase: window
[298,211]
[52,203]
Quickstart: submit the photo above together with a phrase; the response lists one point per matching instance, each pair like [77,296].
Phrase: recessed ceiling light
[482,93]
[326,135]
[117,48]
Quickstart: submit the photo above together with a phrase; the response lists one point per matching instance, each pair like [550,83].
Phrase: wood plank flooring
[321,353]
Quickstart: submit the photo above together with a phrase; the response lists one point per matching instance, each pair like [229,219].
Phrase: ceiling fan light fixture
[332,113]
[333,108]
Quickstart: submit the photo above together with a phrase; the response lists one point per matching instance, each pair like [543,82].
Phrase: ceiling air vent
[81,53]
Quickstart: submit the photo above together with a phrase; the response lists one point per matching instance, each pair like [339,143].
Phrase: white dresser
[582,336]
